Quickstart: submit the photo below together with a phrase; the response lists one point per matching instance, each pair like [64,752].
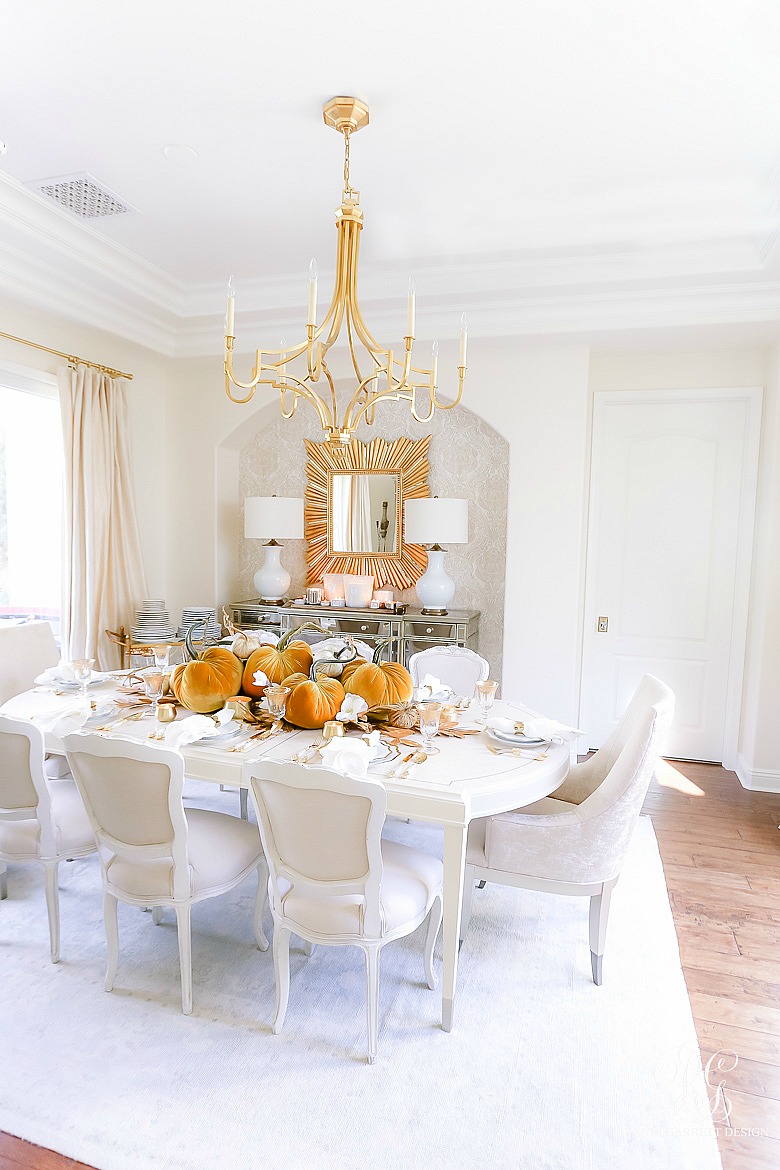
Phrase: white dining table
[463,782]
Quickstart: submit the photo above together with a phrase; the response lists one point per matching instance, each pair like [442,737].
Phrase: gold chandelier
[386,376]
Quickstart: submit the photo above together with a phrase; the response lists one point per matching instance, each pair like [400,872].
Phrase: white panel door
[669,540]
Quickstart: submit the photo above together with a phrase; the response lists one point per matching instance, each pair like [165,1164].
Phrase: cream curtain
[103,573]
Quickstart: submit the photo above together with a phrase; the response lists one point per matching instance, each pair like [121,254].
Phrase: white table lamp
[266,518]
[432,522]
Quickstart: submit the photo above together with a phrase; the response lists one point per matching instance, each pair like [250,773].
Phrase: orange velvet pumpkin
[313,699]
[278,662]
[209,680]
[379,683]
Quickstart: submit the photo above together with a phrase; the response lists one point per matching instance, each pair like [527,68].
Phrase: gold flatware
[308,753]
[399,770]
[522,753]
[124,719]
[258,735]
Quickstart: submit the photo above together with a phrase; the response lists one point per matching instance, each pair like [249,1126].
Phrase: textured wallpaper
[468,460]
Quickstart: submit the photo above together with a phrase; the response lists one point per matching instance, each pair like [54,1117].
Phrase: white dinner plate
[232,731]
[385,753]
[516,740]
[68,685]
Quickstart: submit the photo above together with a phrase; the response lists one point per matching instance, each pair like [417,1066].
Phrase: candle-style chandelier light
[385,376]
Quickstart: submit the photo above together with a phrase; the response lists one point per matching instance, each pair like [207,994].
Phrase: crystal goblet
[154,685]
[276,697]
[82,672]
[430,717]
[486,694]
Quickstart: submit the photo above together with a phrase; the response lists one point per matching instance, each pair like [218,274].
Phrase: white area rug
[543,1070]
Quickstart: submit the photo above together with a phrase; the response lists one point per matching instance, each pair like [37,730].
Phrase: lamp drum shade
[436,521]
[273,517]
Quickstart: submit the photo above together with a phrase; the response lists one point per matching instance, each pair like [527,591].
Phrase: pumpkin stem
[378,652]
[316,667]
[291,634]
[188,639]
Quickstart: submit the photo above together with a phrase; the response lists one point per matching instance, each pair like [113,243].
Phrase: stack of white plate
[193,615]
[152,622]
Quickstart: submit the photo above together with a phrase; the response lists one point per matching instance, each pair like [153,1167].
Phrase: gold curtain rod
[69,357]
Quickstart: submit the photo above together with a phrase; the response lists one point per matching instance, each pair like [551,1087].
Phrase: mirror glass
[363,513]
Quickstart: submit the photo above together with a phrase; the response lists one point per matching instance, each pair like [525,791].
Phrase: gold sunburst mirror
[354,508]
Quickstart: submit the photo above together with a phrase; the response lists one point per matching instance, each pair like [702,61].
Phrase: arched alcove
[264,454]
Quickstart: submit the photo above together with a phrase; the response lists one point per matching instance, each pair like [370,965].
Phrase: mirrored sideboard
[407,633]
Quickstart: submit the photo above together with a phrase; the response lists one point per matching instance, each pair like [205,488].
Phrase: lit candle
[435,355]
[463,340]
[231,309]
[410,309]
[313,293]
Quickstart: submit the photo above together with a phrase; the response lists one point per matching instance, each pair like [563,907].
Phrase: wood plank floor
[721,852]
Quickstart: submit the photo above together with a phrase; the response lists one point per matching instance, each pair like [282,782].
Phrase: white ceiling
[522,158]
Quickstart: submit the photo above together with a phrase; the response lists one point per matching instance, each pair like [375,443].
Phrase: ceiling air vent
[83,195]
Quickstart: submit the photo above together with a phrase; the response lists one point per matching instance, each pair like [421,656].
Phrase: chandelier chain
[346,159]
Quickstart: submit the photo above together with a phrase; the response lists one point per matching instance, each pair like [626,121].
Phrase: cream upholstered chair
[456,666]
[574,841]
[153,852]
[39,821]
[25,652]
[333,880]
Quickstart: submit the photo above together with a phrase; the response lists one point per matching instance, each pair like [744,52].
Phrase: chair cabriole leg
[50,869]
[260,901]
[184,925]
[599,915]
[281,948]
[112,939]
[372,1000]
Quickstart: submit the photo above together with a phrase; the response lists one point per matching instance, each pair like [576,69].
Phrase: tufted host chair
[574,841]
[153,852]
[333,880]
[456,666]
[39,821]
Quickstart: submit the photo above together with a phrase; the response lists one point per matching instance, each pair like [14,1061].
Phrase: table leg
[3,880]
[454,863]
[244,803]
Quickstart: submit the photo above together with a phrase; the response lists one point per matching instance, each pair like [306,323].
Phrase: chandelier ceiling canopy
[300,372]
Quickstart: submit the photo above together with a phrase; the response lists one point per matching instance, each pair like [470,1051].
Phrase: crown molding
[52,261]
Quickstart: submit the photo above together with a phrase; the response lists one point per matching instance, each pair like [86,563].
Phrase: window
[30,499]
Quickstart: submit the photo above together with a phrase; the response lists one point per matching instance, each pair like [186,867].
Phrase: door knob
[603,624]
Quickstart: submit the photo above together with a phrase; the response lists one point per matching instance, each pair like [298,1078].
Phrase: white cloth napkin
[62,675]
[534,726]
[72,716]
[433,688]
[350,757]
[195,727]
